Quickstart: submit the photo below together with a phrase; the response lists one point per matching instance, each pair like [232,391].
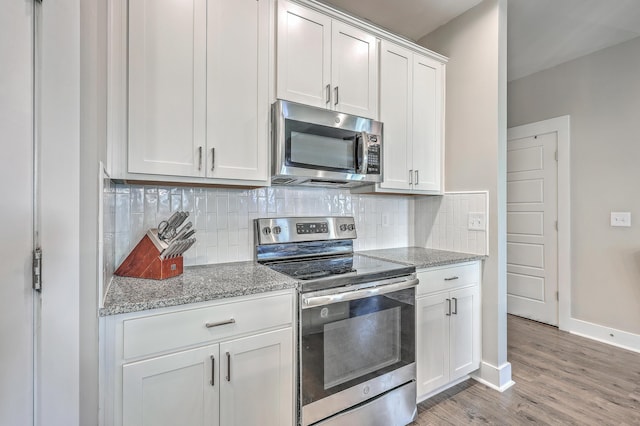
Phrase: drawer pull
[219,323]
[451,278]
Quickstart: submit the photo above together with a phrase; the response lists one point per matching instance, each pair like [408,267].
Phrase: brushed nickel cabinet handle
[410,177]
[337,93]
[451,278]
[228,367]
[213,371]
[455,306]
[448,307]
[199,158]
[213,158]
[417,180]
[328,93]
[219,323]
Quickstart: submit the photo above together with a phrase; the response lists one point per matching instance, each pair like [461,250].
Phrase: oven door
[355,346]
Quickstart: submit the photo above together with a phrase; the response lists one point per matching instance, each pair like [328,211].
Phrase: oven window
[357,346]
[348,343]
[320,147]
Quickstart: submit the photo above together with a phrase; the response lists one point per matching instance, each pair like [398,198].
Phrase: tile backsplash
[223,218]
[442,222]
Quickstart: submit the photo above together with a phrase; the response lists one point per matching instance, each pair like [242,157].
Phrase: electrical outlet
[621,219]
[476,222]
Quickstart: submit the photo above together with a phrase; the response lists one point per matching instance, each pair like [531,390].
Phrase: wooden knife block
[144,260]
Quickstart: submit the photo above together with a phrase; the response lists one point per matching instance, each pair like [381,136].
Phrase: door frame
[562,127]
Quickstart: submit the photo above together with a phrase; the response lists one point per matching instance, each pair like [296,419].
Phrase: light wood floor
[561,379]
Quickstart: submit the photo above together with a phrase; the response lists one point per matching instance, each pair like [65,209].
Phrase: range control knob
[277,230]
[343,227]
[266,230]
[351,227]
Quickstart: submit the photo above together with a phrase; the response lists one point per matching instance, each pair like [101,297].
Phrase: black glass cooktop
[334,271]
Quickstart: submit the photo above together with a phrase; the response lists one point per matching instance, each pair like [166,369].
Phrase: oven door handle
[313,301]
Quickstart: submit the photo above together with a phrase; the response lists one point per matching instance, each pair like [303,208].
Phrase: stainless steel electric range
[356,323]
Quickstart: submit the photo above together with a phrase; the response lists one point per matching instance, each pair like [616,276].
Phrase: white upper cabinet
[238,89]
[354,71]
[412,111]
[199,89]
[427,123]
[304,55]
[396,96]
[326,63]
[167,86]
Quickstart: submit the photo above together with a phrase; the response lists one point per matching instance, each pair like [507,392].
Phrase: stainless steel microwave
[318,147]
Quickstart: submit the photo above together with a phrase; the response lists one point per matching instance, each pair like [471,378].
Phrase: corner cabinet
[447,326]
[412,110]
[196,90]
[325,62]
[225,363]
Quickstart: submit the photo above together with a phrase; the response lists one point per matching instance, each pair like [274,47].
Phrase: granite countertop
[196,284]
[422,257]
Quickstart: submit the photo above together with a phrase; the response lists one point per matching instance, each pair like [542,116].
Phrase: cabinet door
[396,70]
[172,390]
[465,331]
[257,383]
[354,71]
[237,89]
[167,87]
[432,343]
[427,124]
[303,55]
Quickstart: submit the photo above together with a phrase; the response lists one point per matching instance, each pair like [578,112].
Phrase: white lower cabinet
[241,373]
[447,326]
[172,389]
[256,380]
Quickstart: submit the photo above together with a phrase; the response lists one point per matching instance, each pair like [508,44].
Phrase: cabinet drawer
[164,332]
[448,277]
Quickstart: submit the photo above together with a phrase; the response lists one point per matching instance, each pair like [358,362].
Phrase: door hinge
[556,225]
[556,155]
[37,269]
[557,296]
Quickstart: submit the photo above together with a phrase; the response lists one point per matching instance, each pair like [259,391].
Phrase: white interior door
[16,171]
[532,237]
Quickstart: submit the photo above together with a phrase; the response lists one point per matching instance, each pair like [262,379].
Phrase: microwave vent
[327,183]
[282,181]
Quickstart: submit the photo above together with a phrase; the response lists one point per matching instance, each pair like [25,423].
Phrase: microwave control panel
[373,155]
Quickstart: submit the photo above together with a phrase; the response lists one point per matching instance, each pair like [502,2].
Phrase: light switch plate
[477,222]
[621,219]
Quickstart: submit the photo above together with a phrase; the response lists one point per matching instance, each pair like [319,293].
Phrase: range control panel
[312,228]
[280,230]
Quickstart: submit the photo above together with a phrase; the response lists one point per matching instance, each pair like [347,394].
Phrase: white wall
[475,152]
[601,93]
[93,22]
[58,365]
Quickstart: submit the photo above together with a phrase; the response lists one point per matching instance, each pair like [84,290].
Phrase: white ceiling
[541,33]
[410,18]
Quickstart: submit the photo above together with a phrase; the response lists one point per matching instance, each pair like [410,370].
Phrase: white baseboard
[600,333]
[498,378]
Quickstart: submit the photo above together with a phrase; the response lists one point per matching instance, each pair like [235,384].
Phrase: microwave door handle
[363,153]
